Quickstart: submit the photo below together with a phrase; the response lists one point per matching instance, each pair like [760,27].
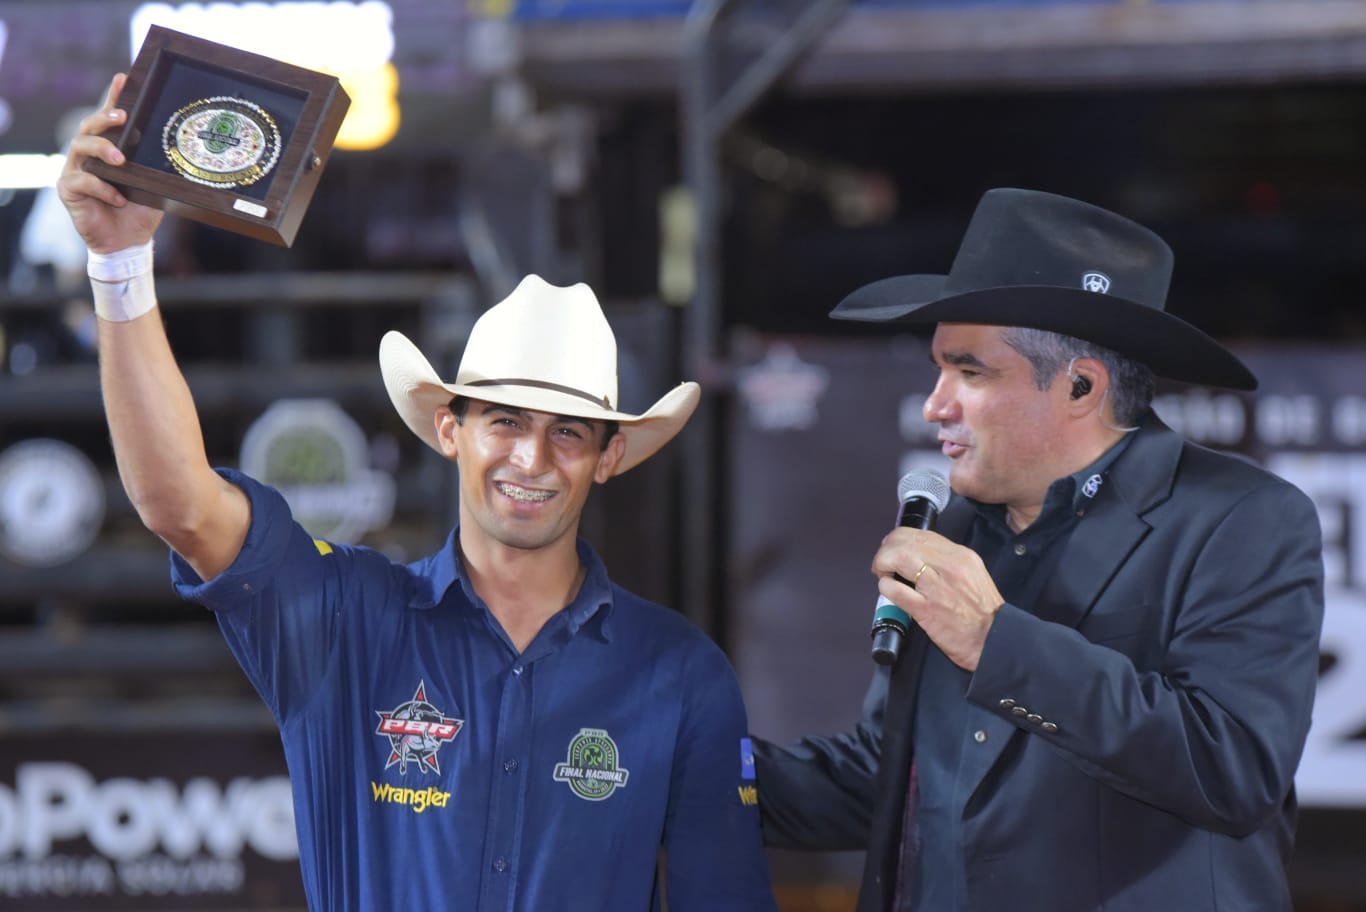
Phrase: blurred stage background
[721,172]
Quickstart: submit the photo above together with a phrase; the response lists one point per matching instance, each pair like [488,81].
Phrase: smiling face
[1008,440]
[524,475]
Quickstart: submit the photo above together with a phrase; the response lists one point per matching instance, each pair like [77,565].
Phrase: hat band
[542,384]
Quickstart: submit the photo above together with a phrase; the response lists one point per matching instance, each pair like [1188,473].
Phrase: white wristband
[119,302]
[120,265]
[122,283]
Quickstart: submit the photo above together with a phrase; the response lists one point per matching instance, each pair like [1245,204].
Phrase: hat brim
[417,391]
[1168,345]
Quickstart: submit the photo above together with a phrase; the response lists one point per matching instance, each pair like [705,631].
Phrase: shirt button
[1049,727]
[1007,703]
[1020,711]
[516,669]
[1020,550]
[1034,718]
[979,736]
[500,865]
[510,765]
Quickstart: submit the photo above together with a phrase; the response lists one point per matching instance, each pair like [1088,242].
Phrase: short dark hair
[1131,383]
[461,404]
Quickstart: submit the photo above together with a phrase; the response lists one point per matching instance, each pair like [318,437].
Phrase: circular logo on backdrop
[316,456]
[221,142]
[51,502]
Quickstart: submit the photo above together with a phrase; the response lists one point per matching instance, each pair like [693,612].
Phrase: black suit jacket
[1146,715]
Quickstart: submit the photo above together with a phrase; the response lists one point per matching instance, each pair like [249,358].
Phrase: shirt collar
[444,569]
[1075,491]
[1086,483]
[437,573]
[595,595]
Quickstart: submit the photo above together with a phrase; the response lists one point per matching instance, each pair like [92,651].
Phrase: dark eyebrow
[523,413]
[506,409]
[575,419]
[960,359]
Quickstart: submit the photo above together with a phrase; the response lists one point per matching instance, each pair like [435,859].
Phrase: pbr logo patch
[592,768]
[221,142]
[416,731]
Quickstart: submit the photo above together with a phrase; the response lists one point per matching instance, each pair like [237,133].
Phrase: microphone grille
[925,483]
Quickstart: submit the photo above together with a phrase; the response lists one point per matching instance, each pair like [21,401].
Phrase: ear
[446,426]
[1086,385]
[610,458]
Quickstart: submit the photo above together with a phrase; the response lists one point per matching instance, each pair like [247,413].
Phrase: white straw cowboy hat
[544,348]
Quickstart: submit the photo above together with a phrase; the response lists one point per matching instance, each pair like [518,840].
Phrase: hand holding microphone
[922,495]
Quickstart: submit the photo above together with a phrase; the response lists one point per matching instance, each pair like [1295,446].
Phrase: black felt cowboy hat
[1049,262]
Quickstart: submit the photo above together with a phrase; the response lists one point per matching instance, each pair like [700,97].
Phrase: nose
[528,453]
[939,403]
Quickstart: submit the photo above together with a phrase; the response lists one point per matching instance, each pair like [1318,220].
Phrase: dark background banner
[146,821]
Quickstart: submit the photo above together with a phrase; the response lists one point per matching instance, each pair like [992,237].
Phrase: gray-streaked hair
[1131,383]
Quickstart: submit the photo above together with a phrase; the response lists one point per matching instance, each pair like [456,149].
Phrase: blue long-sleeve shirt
[436,768]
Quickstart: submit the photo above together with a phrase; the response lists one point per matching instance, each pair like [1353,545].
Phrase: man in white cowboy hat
[1106,687]
[497,726]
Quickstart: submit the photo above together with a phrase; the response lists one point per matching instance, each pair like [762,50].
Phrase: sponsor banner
[170,821]
[822,431]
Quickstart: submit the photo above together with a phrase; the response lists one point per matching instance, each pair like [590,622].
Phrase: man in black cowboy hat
[1105,693]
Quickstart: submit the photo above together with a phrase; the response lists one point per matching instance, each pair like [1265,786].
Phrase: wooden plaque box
[224,136]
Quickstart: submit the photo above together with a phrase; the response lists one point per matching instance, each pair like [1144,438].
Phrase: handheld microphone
[922,495]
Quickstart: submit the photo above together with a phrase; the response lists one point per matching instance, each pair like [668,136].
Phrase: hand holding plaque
[224,136]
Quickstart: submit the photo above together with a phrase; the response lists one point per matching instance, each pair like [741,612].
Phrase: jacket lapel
[1106,535]
[1141,478]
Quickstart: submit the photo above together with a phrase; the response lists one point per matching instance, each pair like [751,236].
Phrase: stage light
[352,41]
[23,171]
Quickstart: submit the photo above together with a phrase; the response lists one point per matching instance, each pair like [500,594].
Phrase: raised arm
[158,443]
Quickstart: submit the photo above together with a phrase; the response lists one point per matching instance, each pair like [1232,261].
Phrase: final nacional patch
[593,766]
[221,142]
